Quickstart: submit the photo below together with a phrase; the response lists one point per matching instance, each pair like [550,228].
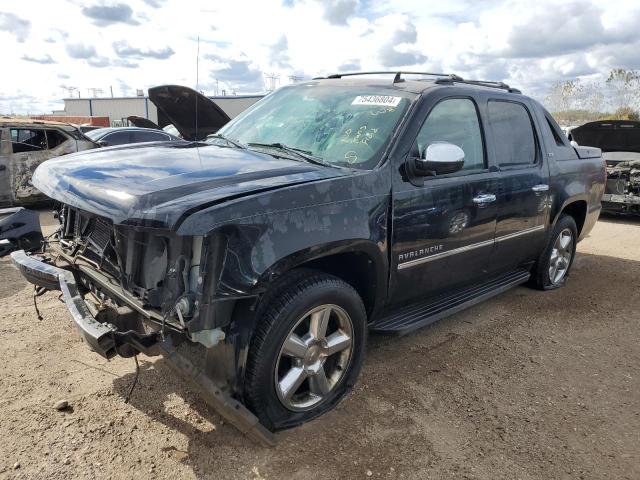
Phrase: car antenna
[197,98]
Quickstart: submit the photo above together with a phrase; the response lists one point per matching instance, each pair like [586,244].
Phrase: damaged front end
[132,289]
[622,194]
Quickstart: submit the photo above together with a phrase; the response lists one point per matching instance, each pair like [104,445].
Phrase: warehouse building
[117,109]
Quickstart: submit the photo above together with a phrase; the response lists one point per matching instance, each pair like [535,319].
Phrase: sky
[54,49]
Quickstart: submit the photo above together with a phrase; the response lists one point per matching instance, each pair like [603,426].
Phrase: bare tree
[625,88]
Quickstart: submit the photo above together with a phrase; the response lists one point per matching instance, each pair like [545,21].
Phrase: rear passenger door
[29,148]
[523,193]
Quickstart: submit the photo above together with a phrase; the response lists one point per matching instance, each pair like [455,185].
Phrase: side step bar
[422,314]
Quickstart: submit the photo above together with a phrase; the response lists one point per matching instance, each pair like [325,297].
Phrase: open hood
[182,105]
[142,122]
[609,135]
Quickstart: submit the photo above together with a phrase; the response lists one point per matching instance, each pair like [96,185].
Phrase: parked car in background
[331,208]
[620,144]
[111,136]
[25,144]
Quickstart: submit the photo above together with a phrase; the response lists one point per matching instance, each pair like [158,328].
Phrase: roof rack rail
[396,79]
[445,78]
[479,83]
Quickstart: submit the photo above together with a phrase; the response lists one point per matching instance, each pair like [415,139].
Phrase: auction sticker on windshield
[377,100]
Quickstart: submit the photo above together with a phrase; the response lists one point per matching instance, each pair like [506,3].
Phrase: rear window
[515,142]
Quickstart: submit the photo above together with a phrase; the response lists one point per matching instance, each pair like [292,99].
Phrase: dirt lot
[528,385]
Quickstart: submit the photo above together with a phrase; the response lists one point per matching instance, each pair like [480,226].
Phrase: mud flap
[19,230]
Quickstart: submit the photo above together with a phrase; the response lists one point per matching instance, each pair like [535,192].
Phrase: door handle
[484,199]
[3,168]
[540,188]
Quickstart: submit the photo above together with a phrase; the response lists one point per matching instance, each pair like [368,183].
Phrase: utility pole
[70,90]
[273,81]
[111,88]
[94,91]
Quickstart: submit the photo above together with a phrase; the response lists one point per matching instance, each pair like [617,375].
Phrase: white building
[119,108]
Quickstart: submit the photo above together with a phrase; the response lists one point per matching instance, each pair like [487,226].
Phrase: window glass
[343,125]
[146,136]
[117,138]
[513,133]
[455,121]
[55,138]
[28,140]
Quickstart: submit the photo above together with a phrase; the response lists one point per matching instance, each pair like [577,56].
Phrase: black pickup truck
[257,262]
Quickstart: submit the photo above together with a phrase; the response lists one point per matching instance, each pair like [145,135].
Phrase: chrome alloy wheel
[314,357]
[561,256]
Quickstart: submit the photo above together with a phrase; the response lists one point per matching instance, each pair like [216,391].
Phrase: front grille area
[90,238]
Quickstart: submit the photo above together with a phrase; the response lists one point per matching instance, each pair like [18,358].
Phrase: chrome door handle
[484,199]
[540,188]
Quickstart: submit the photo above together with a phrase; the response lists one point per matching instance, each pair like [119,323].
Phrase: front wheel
[307,350]
[554,264]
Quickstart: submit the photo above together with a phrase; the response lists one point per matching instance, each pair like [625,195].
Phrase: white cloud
[141,43]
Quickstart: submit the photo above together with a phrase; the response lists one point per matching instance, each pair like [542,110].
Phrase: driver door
[443,230]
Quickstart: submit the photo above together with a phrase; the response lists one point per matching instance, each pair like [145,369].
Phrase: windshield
[342,126]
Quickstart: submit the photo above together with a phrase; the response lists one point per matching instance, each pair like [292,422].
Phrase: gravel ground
[528,385]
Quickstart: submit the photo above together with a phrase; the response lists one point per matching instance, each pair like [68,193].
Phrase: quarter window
[55,138]
[514,139]
[455,121]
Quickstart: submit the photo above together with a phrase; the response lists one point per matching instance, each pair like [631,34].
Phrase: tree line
[616,98]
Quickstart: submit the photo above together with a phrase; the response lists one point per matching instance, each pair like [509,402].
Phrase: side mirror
[439,158]
[103,143]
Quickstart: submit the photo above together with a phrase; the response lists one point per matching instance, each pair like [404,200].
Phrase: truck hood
[159,185]
[194,115]
[609,135]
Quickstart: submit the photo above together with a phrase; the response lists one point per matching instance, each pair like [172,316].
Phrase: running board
[422,314]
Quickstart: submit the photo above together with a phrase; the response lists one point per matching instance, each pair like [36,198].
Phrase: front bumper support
[105,339]
[99,336]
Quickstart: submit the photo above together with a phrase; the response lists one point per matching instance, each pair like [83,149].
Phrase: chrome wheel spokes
[314,357]
[561,255]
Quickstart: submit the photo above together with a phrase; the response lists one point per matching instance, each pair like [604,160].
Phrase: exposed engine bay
[623,182]
[152,272]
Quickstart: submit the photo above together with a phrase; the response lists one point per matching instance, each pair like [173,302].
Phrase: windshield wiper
[305,155]
[227,139]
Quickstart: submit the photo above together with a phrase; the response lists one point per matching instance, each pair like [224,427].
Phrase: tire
[284,385]
[555,259]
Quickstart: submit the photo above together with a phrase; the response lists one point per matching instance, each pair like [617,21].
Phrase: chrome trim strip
[466,248]
[519,233]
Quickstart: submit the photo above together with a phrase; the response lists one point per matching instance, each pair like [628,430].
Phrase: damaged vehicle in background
[192,115]
[25,144]
[619,141]
[256,265]
[110,136]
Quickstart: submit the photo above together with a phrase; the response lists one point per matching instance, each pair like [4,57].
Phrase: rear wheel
[307,350]
[554,265]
